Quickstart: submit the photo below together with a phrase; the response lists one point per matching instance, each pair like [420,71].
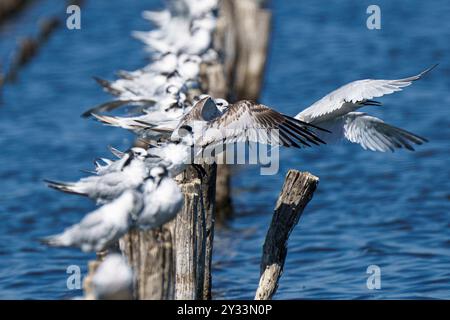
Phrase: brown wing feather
[263,117]
[194,114]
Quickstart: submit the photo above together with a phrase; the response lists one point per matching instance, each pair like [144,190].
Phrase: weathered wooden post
[11,7]
[297,191]
[187,253]
[207,215]
[29,47]
[87,283]
[242,39]
[195,235]
[150,254]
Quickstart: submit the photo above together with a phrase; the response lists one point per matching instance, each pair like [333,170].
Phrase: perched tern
[198,8]
[102,227]
[107,187]
[175,155]
[162,199]
[110,166]
[189,66]
[113,279]
[165,102]
[158,18]
[152,125]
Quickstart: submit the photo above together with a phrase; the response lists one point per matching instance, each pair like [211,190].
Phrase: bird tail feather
[64,187]
[117,153]
[109,120]
[53,241]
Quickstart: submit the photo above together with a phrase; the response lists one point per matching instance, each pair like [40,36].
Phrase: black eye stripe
[187,128]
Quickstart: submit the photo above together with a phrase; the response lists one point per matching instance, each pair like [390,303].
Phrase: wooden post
[253,24]
[150,254]
[29,47]
[10,7]
[195,235]
[188,270]
[241,38]
[208,222]
[297,191]
[87,282]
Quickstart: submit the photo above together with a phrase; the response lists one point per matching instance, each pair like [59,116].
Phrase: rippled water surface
[391,210]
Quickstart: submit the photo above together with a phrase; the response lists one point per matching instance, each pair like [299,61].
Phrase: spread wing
[371,133]
[356,92]
[246,121]
[139,105]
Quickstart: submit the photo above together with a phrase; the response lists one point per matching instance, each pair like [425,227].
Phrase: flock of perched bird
[137,189]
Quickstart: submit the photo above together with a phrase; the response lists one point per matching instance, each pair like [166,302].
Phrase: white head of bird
[186,135]
[165,63]
[221,104]
[207,22]
[139,153]
[199,8]
[189,66]
[158,173]
[172,89]
[194,121]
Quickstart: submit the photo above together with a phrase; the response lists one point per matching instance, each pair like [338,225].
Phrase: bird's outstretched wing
[356,92]
[371,133]
[139,105]
[107,86]
[245,121]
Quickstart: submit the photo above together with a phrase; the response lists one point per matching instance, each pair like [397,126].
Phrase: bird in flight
[337,113]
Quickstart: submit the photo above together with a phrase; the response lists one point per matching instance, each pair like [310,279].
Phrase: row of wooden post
[174,261]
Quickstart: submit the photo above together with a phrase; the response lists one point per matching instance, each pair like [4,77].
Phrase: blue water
[390,210]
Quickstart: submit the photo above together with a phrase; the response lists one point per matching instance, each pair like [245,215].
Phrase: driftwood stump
[297,191]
